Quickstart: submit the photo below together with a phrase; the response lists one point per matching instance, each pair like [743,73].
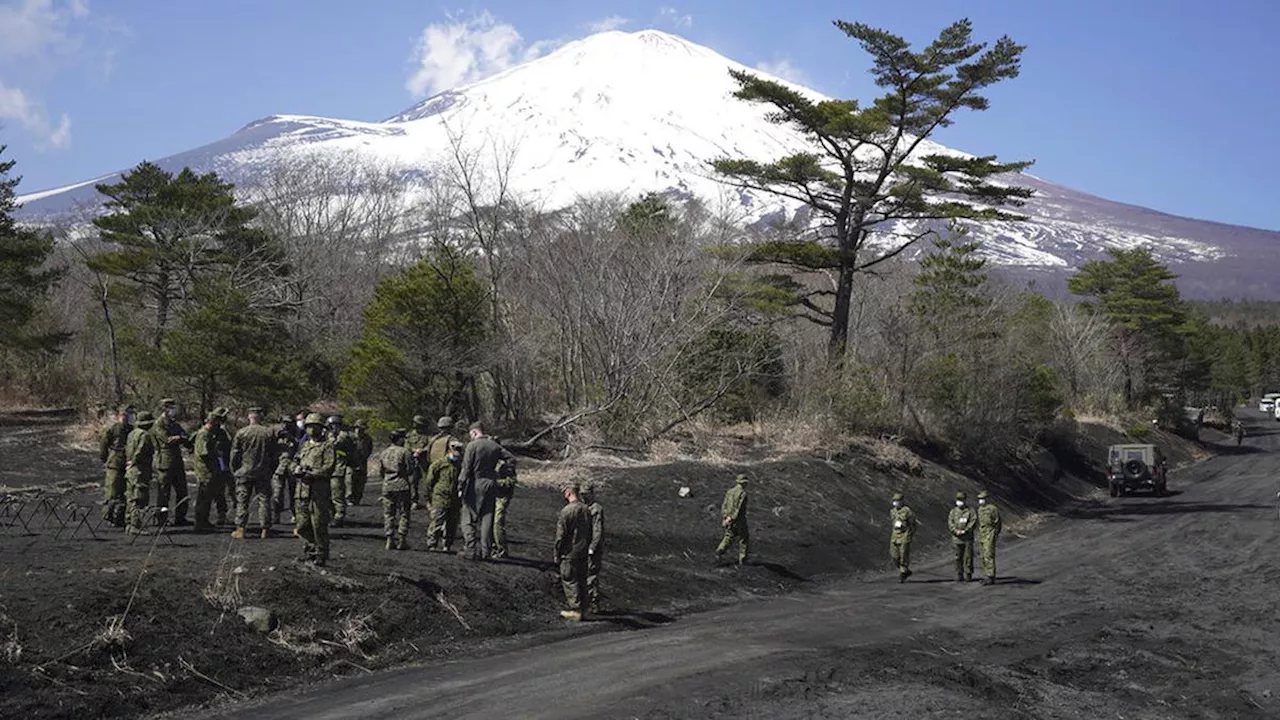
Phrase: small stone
[685,492]
[260,619]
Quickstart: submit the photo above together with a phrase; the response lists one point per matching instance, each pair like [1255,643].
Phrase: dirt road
[1130,608]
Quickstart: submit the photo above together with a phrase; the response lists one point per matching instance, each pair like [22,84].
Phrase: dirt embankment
[102,627]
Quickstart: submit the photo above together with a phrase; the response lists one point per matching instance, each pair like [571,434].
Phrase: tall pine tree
[25,278]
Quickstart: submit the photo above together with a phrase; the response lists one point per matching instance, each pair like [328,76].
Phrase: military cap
[741,479]
[146,419]
[287,419]
[166,402]
[477,425]
[254,411]
[456,444]
[125,407]
[363,424]
[222,412]
[398,433]
[335,416]
[419,420]
[983,495]
[898,496]
[445,421]
[313,419]
[573,486]
[961,496]
[212,417]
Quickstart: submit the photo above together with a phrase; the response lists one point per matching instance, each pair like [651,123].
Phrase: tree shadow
[777,569]
[1014,580]
[524,562]
[1121,512]
[631,619]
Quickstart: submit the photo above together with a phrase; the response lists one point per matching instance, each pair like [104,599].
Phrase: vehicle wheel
[1114,490]
[1160,490]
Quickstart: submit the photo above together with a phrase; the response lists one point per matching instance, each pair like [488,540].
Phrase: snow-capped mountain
[632,112]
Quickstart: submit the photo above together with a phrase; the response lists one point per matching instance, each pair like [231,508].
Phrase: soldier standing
[205,464]
[506,491]
[344,445]
[478,485]
[359,464]
[903,521]
[573,540]
[395,467]
[112,450]
[171,474]
[313,466]
[225,494]
[961,521]
[441,487]
[140,450]
[989,526]
[417,441]
[595,552]
[283,484]
[733,514]
[253,458]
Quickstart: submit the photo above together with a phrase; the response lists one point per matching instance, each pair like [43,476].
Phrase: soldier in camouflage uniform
[205,464]
[502,505]
[733,514]
[344,444]
[140,450]
[395,467]
[989,526]
[112,451]
[441,487]
[438,446]
[417,441]
[573,540]
[961,521]
[283,485]
[171,475]
[313,466]
[225,495]
[595,552]
[358,462]
[253,459]
[903,522]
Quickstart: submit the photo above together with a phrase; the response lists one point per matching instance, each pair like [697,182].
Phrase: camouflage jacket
[395,467]
[140,451]
[315,460]
[573,532]
[734,506]
[960,522]
[441,482]
[253,452]
[112,445]
[597,528]
[989,524]
[168,451]
[903,521]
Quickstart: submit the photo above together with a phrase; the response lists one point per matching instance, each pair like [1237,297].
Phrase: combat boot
[571,615]
[402,544]
[988,580]
[265,533]
[390,543]
[238,533]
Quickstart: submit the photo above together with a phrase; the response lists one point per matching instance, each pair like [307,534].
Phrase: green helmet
[314,419]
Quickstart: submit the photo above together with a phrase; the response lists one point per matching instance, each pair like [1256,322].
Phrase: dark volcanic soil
[813,519]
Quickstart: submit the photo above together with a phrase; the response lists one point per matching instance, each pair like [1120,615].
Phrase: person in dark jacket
[478,489]
[573,545]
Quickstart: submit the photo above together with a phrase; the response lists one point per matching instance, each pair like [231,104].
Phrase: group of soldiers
[963,524]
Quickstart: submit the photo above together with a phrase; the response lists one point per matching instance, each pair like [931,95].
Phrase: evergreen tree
[25,280]
[866,169]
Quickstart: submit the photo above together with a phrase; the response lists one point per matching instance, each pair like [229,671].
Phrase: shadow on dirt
[778,569]
[525,562]
[631,619]
[1237,450]
[1125,511]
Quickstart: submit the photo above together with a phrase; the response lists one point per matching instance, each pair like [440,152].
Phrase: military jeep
[1136,467]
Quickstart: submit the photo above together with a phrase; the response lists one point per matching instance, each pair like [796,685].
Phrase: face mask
[170,412]
[982,502]
[897,503]
[959,503]
[453,457]
[299,424]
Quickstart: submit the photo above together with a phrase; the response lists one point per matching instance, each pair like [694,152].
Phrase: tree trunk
[839,342]
[162,318]
[116,381]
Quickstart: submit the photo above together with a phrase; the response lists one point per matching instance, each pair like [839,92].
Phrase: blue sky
[1170,104]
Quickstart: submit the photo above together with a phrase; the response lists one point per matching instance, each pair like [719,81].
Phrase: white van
[1268,403]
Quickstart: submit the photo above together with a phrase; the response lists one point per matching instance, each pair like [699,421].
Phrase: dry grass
[113,637]
[887,455]
[223,591]
[1107,420]
[85,434]
[356,632]
[11,647]
[300,641]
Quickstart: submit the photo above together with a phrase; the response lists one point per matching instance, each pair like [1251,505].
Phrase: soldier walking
[112,450]
[395,467]
[989,526]
[961,521]
[441,487]
[903,521]
[478,486]
[733,518]
[140,452]
[253,458]
[595,551]
[358,473]
[171,475]
[573,541]
[313,466]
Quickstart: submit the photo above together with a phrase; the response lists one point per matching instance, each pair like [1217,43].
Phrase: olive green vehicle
[1136,467]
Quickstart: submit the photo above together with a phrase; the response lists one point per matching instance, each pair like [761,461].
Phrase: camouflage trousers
[987,549]
[228,505]
[172,482]
[573,579]
[500,508]
[397,507]
[283,489]
[964,557]
[594,562]
[113,496]
[356,482]
[248,490]
[210,493]
[736,531]
[312,506]
[446,514]
[900,554]
[338,492]
[137,492]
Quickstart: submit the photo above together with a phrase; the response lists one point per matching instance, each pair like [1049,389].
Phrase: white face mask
[982,502]
[897,503]
[299,424]
[130,418]
[959,503]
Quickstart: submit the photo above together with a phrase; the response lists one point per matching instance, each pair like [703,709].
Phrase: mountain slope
[631,112]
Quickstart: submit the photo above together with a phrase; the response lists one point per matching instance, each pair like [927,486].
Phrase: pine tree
[865,170]
[25,279]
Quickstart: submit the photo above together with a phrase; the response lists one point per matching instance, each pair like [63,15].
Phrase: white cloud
[673,16]
[38,28]
[458,52]
[613,22]
[784,69]
[15,105]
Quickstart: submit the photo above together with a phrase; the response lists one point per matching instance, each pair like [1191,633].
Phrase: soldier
[904,528]
[283,484]
[438,445]
[395,467]
[358,475]
[225,495]
[1238,428]
[205,457]
[313,466]
[253,459]
[961,521]
[441,488]
[478,486]
[573,540]
[140,450]
[171,475]
[595,552]
[112,450]
[417,441]
[989,526]
[502,504]
[733,513]
[344,445]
